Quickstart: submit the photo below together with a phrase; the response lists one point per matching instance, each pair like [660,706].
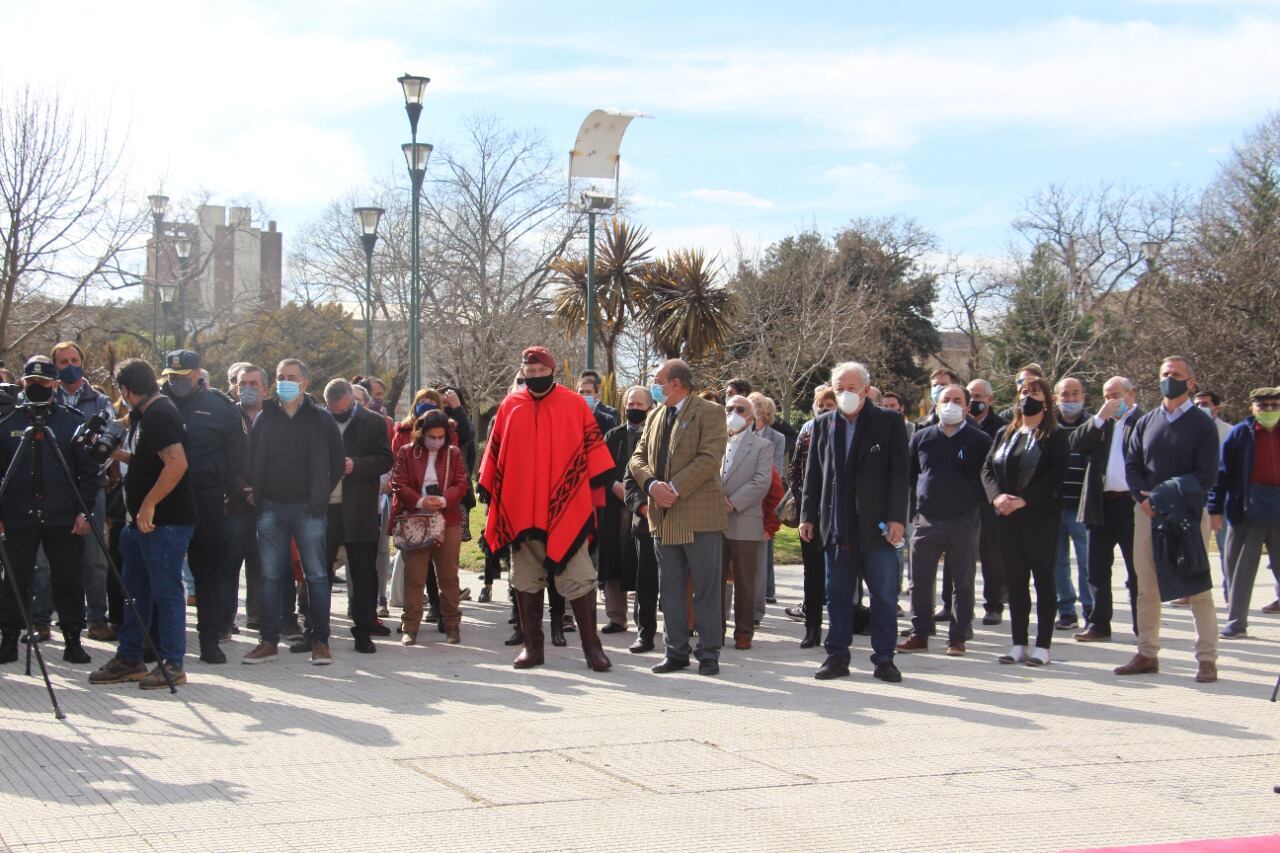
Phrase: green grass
[786,547]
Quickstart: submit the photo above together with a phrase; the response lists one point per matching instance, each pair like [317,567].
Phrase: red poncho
[537,469]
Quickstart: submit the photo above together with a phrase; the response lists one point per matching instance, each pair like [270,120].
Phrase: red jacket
[410,469]
[770,505]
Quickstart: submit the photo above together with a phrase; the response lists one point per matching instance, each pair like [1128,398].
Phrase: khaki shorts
[529,575]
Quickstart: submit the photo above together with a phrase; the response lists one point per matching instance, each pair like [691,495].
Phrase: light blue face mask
[287,391]
[659,397]
[1071,410]
[935,392]
[1120,412]
[591,400]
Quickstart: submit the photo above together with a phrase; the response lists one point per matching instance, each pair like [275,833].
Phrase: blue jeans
[1074,534]
[153,576]
[877,565]
[278,524]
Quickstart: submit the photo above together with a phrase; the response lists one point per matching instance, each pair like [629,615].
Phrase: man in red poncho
[540,468]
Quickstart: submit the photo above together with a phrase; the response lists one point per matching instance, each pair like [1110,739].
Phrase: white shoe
[1038,657]
[1016,654]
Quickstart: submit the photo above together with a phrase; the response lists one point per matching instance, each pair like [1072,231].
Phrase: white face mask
[736,423]
[951,413]
[848,401]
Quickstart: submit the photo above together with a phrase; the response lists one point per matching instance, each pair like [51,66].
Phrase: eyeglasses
[742,410]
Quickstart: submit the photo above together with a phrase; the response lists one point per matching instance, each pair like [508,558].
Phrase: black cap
[180,362]
[40,367]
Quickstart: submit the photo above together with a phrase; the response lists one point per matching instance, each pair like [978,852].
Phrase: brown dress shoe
[914,643]
[1208,672]
[1273,607]
[1091,635]
[1140,665]
[741,643]
[451,636]
[956,650]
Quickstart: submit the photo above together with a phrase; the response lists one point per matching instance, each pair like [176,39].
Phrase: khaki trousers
[1202,610]
[529,575]
[416,564]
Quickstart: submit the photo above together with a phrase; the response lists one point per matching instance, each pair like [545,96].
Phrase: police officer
[43,510]
[216,447]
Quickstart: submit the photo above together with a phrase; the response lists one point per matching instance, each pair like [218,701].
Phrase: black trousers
[492,568]
[957,538]
[64,551]
[362,571]
[205,556]
[1116,529]
[994,590]
[1029,547]
[115,594]
[646,606]
[815,582]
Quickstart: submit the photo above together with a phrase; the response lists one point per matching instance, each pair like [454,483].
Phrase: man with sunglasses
[1247,493]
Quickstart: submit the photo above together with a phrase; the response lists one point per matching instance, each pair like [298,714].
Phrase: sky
[768,118]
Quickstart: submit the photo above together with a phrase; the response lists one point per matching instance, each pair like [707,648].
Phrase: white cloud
[871,182]
[1071,74]
[728,198]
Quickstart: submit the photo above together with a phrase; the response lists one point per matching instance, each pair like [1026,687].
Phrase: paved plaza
[436,747]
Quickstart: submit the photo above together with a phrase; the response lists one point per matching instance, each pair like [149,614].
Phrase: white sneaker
[1038,657]
[1016,654]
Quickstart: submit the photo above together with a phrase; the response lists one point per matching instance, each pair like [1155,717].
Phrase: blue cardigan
[1231,489]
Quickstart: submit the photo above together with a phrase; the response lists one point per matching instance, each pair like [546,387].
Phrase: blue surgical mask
[659,396]
[1120,412]
[591,400]
[249,396]
[1071,411]
[287,391]
[935,392]
[422,408]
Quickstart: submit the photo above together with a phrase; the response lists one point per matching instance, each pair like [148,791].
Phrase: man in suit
[353,519]
[677,464]
[1106,506]
[589,388]
[855,501]
[746,474]
[981,399]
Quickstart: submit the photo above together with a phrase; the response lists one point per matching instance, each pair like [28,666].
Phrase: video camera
[99,435]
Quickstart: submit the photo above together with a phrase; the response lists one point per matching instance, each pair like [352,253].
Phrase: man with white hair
[1106,506]
[855,503]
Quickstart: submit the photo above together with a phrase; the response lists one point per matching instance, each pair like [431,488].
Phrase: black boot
[72,651]
[584,608]
[557,630]
[812,637]
[9,647]
[531,625]
[516,638]
[209,651]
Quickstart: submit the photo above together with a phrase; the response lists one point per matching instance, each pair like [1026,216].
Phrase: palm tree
[689,315]
[620,262]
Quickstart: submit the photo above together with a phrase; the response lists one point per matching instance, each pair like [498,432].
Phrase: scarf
[538,469]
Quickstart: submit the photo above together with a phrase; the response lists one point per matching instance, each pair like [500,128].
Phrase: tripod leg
[102,543]
[25,612]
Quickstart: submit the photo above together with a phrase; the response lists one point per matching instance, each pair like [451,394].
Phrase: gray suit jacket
[745,485]
[778,441]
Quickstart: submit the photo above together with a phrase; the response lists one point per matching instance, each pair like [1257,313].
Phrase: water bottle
[884,531]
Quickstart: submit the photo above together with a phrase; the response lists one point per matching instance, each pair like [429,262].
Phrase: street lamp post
[594,203]
[158,205]
[368,218]
[416,156]
[182,244]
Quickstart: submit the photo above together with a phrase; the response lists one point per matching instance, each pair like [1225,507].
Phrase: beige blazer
[694,457]
[746,482]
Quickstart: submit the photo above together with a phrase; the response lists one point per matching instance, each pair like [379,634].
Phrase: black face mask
[1171,388]
[1030,407]
[539,384]
[38,394]
[343,417]
[181,386]
[976,408]
[637,416]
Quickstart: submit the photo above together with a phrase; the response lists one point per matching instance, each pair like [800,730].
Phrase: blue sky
[768,117]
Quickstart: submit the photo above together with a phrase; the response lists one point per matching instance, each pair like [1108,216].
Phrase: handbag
[789,510]
[419,529]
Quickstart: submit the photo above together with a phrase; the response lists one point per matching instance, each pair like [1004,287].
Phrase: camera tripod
[35,438]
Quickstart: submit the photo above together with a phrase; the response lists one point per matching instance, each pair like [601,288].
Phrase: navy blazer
[879,467]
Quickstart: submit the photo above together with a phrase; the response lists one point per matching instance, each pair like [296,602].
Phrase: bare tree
[66,220]
[971,296]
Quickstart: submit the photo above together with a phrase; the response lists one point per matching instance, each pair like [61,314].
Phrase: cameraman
[161,515]
[50,517]
[216,442]
[75,392]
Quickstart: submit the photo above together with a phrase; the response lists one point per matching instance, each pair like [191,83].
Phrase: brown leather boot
[584,608]
[1139,665]
[1208,672]
[529,607]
